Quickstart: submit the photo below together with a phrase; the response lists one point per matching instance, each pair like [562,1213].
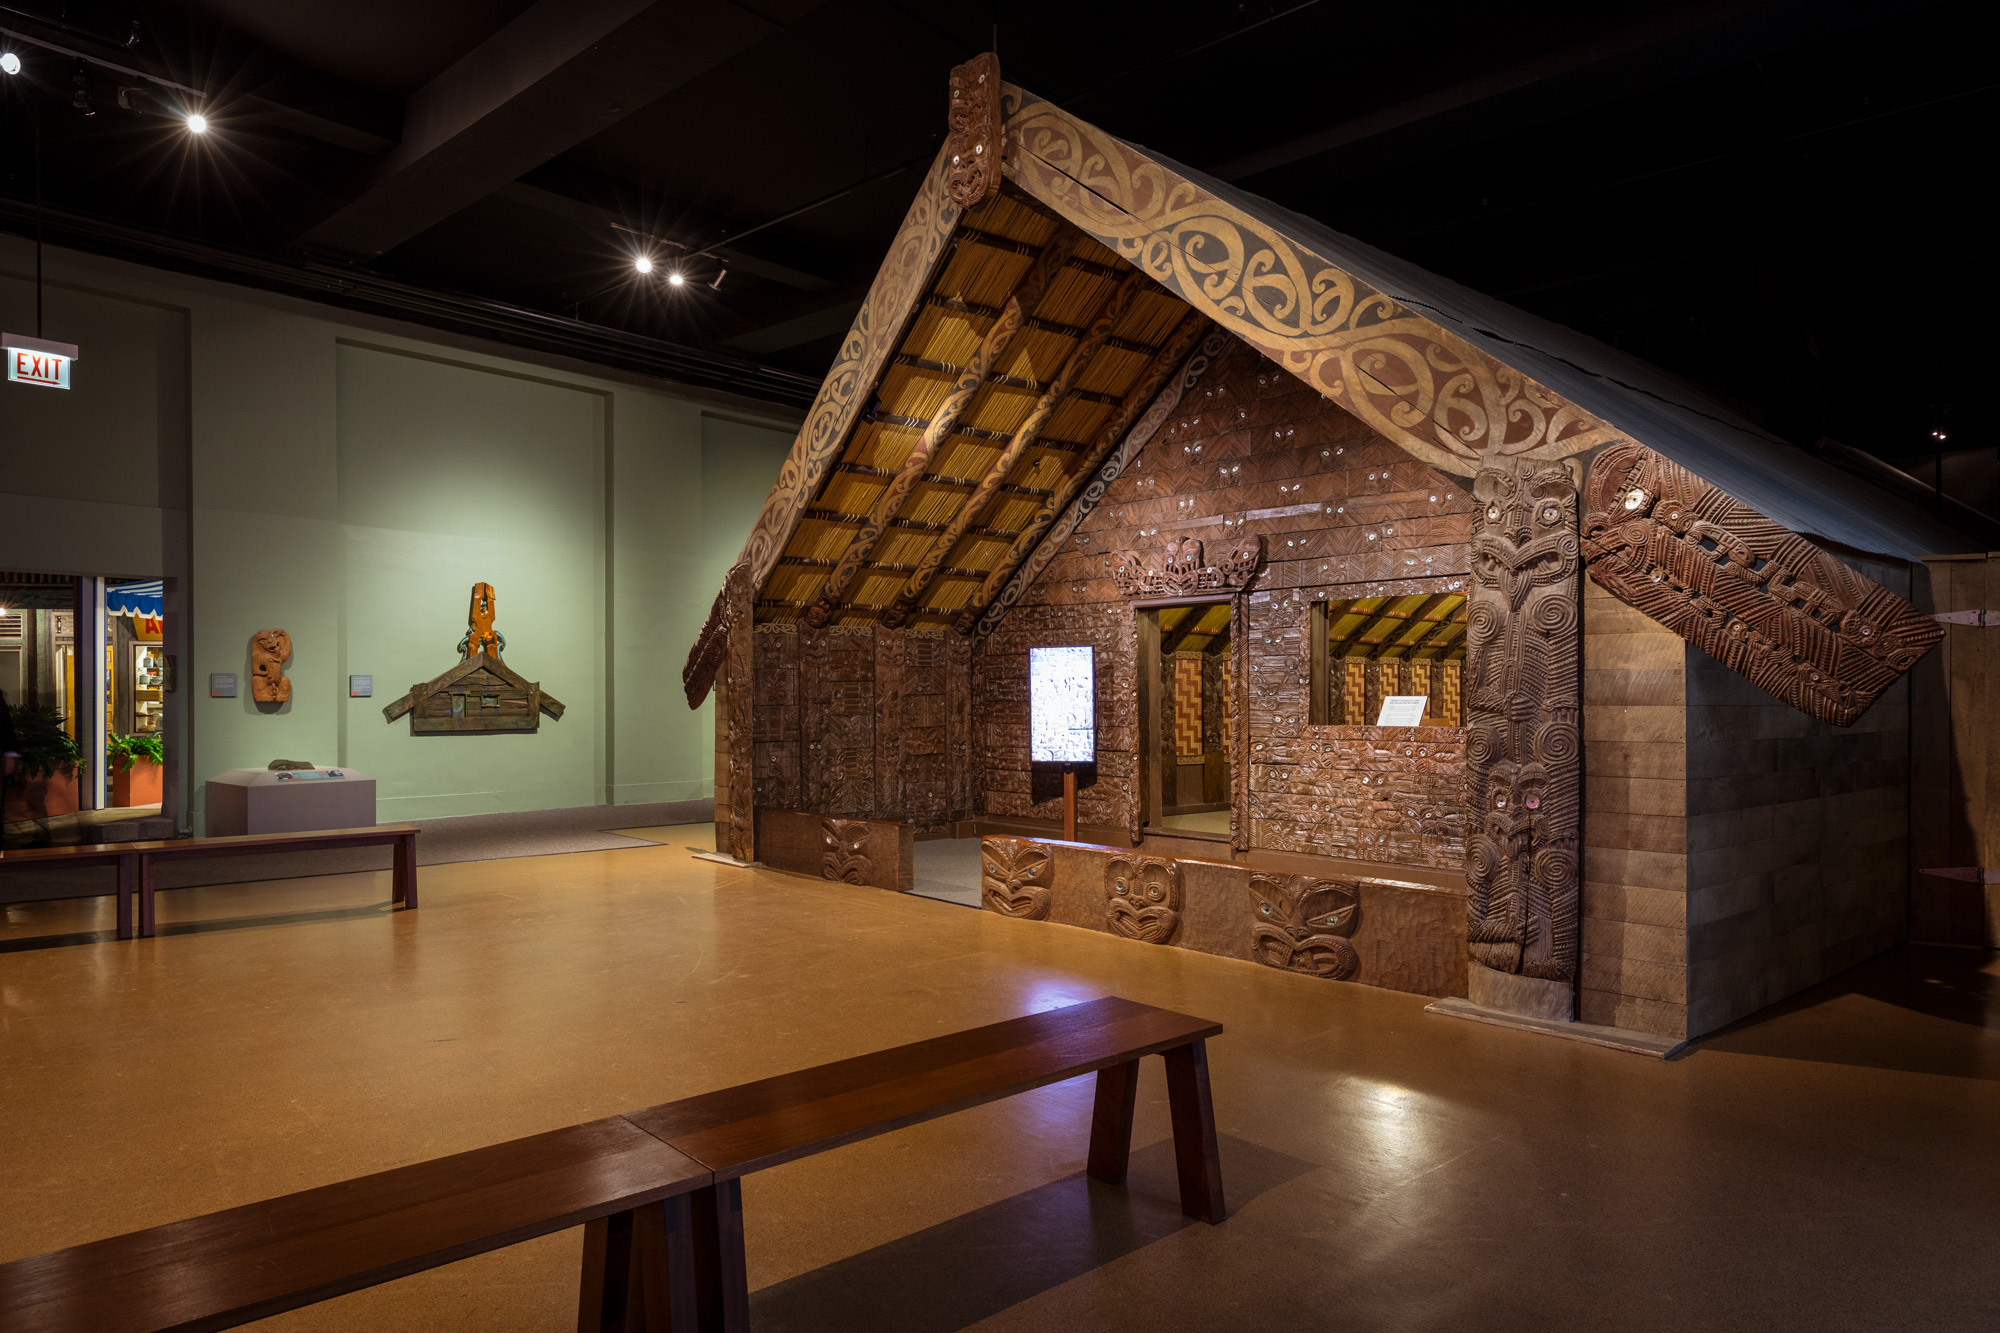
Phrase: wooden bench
[658,1191]
[135,860]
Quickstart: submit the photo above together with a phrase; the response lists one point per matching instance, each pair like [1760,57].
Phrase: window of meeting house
[1367,649]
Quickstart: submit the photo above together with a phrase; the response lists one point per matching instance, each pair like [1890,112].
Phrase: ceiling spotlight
[643,264]
[9,63]
[198,123]
[675,279]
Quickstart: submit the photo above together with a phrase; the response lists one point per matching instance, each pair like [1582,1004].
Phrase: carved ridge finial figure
[1523,741]
[270,649]
[480,636]
[972,123]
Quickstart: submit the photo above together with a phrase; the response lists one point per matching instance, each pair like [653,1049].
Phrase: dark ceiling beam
[827,322]
[1667,45]
[563,71]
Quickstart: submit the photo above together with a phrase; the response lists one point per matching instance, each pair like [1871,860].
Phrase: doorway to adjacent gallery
[1186,664]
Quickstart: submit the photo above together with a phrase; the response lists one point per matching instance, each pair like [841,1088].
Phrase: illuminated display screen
[1062,722]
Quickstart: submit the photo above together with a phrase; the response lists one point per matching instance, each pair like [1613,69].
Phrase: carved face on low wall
[846,856]
[1016,877]
[1301,924]
[1143,898]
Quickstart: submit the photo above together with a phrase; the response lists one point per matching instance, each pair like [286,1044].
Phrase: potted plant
[135,769]
[44,782]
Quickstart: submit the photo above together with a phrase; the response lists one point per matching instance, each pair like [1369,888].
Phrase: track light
[9,63]
[197,123]
[675,279]
[643,264]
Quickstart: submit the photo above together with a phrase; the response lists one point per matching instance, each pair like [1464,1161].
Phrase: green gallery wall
[349,479]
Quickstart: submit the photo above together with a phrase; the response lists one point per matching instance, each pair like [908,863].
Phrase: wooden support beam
[974,508]
[1404,622]
[1437,630]
[1370,619]
[1149,383]
[1007,323]
[916,362]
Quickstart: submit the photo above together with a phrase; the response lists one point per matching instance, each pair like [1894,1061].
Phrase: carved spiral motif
[1557,743]
[1482,623]
[1554,616]
[1482,744]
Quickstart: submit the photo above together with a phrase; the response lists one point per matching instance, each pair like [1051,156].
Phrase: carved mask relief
[1143,898]
[1523,741]
[846,857]
[1301,924]
[1015,878]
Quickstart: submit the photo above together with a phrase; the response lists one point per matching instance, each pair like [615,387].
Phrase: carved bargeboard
[1302,924]
[1015,878]
[1143,898]
[1182,570]
[846,858]
[973,125]
[1754,595]
[1523,739]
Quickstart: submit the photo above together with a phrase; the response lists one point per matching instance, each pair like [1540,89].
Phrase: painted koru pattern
[1300,923]
[1015,877]
[846,858]
[1754,595]
[1143,898]
[1523,742]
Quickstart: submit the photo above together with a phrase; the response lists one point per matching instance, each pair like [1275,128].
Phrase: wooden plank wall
[1635,803]
[1376,523]
[863,722]
[1955,785]
[1797,837]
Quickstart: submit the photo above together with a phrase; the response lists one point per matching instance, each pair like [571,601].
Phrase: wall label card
[1403,710]
[1062,722]
[361,687]
[222,685]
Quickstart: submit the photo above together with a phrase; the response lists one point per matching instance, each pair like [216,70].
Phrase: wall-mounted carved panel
[846,855]
[270,649]
[1300,923]
[1016,877]
[973,137]
[1523,736]
[1142,896]
[1754,595]
[1182,569]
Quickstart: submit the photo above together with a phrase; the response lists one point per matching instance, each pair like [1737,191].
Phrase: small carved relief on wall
[270,649]
[1143,898]
[1182,569]
[846,858]
[1754,595]
[1016,876]
[1301,924]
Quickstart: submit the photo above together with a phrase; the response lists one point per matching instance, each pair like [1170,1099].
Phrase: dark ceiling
[1780,199]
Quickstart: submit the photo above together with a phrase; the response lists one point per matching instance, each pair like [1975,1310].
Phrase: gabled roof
[1444,372]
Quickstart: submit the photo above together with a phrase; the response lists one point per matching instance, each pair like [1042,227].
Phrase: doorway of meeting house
[95,707]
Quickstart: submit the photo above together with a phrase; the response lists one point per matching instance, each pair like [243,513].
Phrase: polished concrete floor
[1831,1165]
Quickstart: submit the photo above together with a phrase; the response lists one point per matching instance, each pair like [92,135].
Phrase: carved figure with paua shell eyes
[1016,877]
[1143,897]
[1301,924]
[846,844]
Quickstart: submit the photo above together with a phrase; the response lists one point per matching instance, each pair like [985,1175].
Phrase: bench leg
[145,896]
[607,1261]
[1194,1132]
[722,1292]
[128,874]
[403,877]
[1111,1121]
[664,1283]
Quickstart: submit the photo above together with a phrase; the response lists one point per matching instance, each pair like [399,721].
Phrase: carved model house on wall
[1272,477]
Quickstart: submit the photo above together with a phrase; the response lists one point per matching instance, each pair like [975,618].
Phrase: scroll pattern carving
[1016,877]
[973,131]
[1182,571]
[1420,385]
[846,858]
[871,340]
[1523,739]
[1302,924]
[1143,898]
[1754,595]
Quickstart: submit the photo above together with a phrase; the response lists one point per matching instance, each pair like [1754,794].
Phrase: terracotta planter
[39,798]
[138,783]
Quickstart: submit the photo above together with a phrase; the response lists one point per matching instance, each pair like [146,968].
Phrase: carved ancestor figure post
[1523,739]
[270,649]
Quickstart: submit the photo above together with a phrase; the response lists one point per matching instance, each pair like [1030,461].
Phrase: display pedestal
[255,800]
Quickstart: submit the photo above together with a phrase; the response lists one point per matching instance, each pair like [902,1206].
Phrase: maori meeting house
[1680,733]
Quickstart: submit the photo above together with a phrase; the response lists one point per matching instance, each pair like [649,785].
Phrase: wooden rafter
[1440,631]
[974,508]
[1368,617]
[1392,644]
[1386,619]
[1007,322]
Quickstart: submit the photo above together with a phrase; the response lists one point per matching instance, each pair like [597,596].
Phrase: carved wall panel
[1300,923]
[973,131]
[1142,898]
[1523,732]
[1754,595]
[878,853]
[846,855]
[1016,877]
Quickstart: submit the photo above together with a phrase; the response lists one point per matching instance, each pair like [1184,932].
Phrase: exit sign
[37,360]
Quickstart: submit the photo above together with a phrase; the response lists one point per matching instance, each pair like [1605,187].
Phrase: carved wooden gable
[1754,595]
[479,694]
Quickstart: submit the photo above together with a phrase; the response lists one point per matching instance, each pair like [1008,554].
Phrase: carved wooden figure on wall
[1183,571]
[1302,924]
[270,649]
[481,693]
[846,858]
[1016,877]
[1754,595]
[1523,739]
[1143,898]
